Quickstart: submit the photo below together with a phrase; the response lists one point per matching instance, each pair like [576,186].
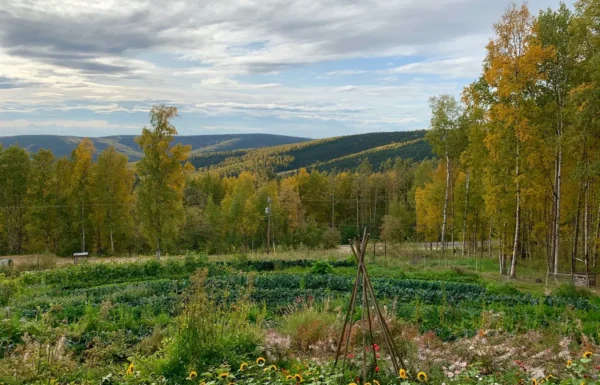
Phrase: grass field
[194,319]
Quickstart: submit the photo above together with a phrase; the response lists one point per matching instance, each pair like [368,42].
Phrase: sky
[310,68]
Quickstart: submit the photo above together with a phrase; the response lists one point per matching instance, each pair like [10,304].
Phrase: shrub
[307,326]
[568,290]
[331,238]
[321,267]
[210,334]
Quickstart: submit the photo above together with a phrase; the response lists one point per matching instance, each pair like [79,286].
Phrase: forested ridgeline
[517,175]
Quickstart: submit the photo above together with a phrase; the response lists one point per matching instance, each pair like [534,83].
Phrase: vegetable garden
[188,320]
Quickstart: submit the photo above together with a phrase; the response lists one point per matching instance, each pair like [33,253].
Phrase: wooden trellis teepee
[368,300]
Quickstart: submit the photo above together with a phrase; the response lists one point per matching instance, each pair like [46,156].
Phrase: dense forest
[517,168]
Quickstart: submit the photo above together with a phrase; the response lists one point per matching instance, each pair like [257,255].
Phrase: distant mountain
[340,153]
[64,145]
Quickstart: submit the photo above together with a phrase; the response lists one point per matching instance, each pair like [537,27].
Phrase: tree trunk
[490,239]
[444,218]
[82,229]
[452,214]
[596,238]
[586,217]
[556,231]
[112,243]
[464,229]
[576,235]
[513,263]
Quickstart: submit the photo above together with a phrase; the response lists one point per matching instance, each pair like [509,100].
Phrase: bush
[321,267]
[307,326]
[210,334]
[331,238]
[568,290]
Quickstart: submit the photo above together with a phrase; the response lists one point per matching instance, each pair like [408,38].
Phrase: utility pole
[333,208]
[82,229]
[268,212]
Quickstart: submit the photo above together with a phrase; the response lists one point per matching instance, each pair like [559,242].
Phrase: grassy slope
[342,153]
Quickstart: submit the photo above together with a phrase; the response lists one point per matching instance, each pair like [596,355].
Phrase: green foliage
[570,291]
[321,267]
[331,238]
[209,334]
[162,178]
[307,325]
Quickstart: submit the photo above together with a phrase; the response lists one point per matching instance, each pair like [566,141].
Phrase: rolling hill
[64,145]
[341,153]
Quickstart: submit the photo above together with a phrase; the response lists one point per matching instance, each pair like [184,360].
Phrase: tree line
[108,206]
[519,157]
[516,174]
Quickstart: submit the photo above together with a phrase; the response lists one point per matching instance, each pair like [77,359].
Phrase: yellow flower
[534,381]
[270,367]
[403,374]
[243,366]
[193,374]
[352,383]
[569,363]
[367,383]
[422,376]
[289,377]
[260,361]
[203,383]
[549,377]
[376,382]
[224,375]
[587,354]
[130,369]
[298,378]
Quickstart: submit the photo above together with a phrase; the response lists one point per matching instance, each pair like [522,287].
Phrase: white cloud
[240,58]
[462,67]
[344,88]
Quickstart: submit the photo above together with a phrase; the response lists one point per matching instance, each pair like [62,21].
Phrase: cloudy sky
[311,68]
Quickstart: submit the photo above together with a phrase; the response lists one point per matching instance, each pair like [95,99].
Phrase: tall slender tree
[162,176]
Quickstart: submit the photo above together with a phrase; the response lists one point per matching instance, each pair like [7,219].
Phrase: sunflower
[298,377]
[367,383]
[422,377]
[260,361]
[534,381]
[403,374]
[270,367]
[243,366]
[352,383]
[376,382]
[569,363]
[224,375]
[289,377]
[193,374]
[587,354]
[550,377]
[130,369]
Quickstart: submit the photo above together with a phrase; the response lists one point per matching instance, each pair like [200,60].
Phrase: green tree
[42,193]
[80,189]
[112,189]
[15,169]
[444,139]
[162,177]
